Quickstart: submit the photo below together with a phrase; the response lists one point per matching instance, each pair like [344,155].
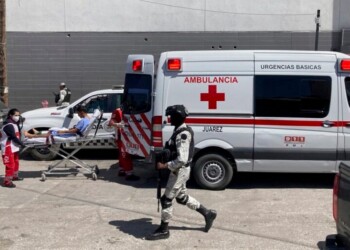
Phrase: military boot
[209,216]
[162,232]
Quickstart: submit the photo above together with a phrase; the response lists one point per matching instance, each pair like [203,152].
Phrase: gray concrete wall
[85,42]
[87,61]
[180,15]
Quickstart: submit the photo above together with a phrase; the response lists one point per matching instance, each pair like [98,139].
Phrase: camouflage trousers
[176,188]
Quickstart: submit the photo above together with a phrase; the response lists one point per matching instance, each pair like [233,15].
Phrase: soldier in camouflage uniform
[181,147]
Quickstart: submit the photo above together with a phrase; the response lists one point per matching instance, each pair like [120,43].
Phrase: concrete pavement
[258,211]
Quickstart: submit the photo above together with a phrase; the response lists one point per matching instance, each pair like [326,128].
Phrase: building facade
[85,43]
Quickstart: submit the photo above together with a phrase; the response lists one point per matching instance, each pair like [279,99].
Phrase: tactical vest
[172,147]
[67,96]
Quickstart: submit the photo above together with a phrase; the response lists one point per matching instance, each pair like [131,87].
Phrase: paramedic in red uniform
[10,146]
[125,160]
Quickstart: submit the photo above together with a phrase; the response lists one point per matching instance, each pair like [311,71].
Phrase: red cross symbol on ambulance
[212,97]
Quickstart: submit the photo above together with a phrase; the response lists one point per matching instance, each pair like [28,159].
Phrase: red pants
[11,162]
[125,160]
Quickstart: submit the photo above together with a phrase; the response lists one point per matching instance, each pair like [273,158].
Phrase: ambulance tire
[213,171]
[42,154]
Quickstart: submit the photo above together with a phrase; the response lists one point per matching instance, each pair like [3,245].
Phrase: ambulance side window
[347,88]
[292,96]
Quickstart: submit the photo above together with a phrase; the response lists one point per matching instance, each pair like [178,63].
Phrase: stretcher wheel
[97,170]
[43,177]
[94,176]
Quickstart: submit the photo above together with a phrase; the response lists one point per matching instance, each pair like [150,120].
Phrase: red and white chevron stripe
[137,134]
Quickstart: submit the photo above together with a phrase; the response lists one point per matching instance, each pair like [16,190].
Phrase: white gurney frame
[81,166]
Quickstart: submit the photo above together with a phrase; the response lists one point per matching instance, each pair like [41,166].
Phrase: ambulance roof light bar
[174,64]
[345,65]
[137,65]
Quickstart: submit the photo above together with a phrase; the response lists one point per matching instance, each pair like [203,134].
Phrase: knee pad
[183,200]
[165,202]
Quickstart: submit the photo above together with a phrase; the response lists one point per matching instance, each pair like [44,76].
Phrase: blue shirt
[81,126]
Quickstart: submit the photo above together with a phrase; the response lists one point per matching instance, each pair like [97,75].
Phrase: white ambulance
[251,111]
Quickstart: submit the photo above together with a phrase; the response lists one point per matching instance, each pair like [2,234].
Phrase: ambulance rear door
[344,83]
[296,112]
[137,104]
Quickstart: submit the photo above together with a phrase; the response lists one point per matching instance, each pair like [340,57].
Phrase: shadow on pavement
[321,245]
[148,176]
[240,181]
[331,243]
[25,174]
[140,228]
[30,174]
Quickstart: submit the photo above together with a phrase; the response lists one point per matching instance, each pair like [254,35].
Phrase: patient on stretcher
[78,129]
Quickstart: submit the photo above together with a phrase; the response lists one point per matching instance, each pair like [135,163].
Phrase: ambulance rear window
[137,94]
[292,96]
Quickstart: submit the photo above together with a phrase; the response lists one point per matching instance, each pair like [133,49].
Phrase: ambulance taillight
[137,65]
[174,64]
[345,65]
[157,134]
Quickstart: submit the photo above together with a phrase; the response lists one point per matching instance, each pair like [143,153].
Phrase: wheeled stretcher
[63,166]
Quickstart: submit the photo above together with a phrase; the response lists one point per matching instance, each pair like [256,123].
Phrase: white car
[42,119]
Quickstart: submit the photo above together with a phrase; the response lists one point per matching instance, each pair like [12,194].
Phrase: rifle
[163,157]
[159,187]
[57,97]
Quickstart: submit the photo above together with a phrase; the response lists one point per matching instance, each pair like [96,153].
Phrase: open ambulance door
[137,104]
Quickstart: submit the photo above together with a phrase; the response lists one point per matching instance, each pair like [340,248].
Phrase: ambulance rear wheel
[213,171]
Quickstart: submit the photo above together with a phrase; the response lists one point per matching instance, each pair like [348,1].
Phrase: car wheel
[42,154]
[213,172]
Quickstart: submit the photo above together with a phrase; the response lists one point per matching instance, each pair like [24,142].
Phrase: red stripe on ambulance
[269,122]
[146,121]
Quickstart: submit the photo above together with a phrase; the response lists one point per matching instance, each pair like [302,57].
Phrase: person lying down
[78,129]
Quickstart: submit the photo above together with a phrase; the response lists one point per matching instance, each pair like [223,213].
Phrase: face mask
[15,118]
